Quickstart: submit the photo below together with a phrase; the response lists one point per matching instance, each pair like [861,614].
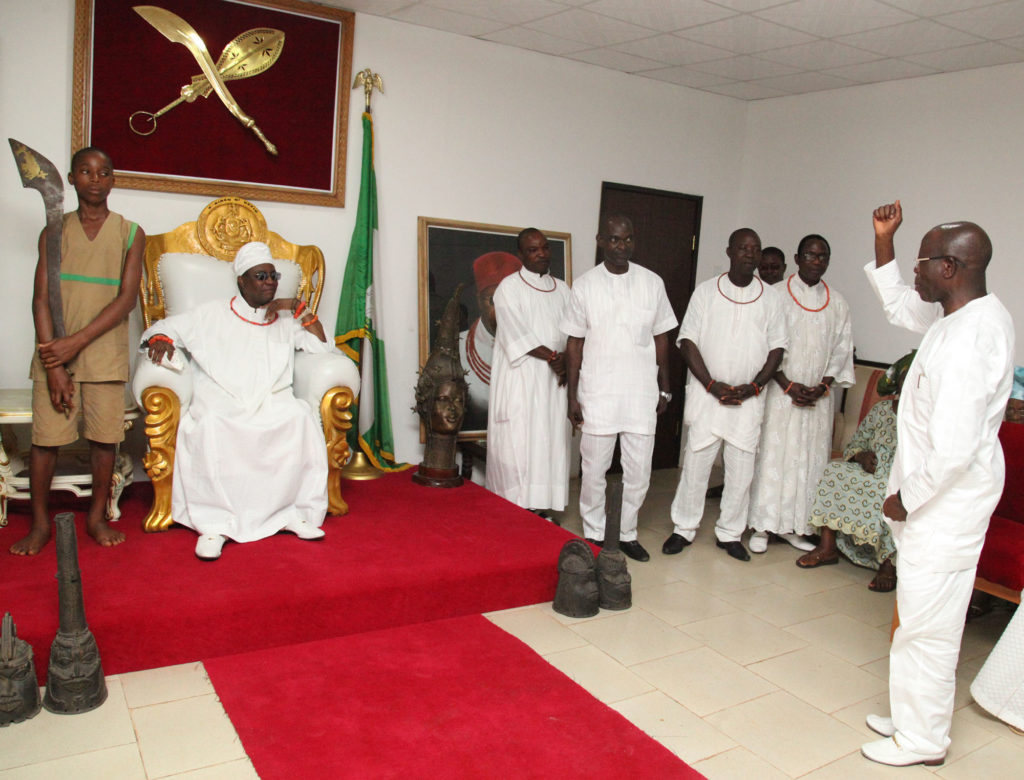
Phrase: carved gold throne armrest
[328,382]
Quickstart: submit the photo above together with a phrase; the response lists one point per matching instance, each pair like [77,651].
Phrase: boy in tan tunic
[86,370]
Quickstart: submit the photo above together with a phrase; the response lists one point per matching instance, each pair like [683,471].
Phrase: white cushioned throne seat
[192,265]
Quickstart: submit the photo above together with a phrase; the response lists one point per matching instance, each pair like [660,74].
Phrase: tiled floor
[747,670]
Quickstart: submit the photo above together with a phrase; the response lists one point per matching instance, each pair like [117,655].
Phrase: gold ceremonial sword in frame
[177,30]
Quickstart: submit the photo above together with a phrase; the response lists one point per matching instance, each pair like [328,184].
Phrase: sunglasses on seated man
[262,276]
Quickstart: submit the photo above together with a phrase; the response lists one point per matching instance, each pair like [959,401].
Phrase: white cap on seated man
[251,460]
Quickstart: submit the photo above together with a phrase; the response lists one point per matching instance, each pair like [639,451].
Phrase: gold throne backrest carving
[222,228]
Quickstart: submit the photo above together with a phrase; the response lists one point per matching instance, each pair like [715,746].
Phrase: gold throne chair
[191,265]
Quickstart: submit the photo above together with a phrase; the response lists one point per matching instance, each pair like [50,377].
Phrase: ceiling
[746,49]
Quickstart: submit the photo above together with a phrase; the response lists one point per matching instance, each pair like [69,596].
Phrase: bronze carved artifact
[441,402]
[74,681]
[19,693]
[576,594]
[177,30]
[40,174]
[613,581]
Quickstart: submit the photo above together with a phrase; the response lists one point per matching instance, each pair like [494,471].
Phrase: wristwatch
[666,396]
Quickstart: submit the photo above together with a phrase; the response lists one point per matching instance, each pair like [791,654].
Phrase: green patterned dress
[849,500]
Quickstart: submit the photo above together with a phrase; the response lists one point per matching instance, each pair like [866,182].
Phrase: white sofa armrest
[315,374]
[149,374]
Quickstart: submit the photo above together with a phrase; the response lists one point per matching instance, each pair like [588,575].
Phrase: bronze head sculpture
[74,681]
[19,692]
[441,402]
[576,594]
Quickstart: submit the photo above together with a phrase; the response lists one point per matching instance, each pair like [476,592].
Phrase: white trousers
[636,450]
[922,660]
[688,505]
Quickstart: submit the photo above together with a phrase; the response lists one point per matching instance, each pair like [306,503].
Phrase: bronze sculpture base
[439,478]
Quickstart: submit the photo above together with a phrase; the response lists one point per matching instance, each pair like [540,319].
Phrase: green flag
[356,330]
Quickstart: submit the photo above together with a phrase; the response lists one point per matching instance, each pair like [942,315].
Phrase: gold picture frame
[447,249]
[122,64]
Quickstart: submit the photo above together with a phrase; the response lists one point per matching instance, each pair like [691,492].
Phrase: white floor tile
[703,681]
[787,732]
[180,736]
[123,763]
[688,736]
[819,678]
[600,674]
[634,636]
[537,627]
[170,683]
[48,736]
[738,764]
[844,637]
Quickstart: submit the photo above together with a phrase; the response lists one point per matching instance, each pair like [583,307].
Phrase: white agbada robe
[250,456]
[796,441]
[618,316]
[527,426]
[476,351]
[734,328]
[949,471]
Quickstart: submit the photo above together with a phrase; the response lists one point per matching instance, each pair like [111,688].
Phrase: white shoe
[758,542]
[888,751]
[208,546]
[880,725]
[797,541]
[304,529]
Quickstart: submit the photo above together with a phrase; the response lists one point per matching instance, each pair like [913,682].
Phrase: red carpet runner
[404,554]
[456,698]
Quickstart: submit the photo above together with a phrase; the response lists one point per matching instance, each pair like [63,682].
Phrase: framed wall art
[265,119]
[477,256]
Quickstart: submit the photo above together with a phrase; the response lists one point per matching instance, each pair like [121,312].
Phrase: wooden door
[666,228]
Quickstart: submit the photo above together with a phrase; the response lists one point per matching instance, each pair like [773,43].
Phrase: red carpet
[456,698]
[404,554]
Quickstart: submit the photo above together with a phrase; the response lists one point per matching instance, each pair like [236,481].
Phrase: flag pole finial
[368,80]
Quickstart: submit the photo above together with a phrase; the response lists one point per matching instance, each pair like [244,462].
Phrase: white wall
[947,146]
[466,130]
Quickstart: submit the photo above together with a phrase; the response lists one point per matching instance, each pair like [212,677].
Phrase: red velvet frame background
[123,65]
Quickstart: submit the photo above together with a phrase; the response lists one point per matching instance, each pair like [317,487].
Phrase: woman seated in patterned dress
[847,508]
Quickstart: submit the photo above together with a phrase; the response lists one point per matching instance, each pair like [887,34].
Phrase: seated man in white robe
[251,459]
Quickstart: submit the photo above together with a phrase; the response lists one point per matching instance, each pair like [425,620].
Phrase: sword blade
[38,173]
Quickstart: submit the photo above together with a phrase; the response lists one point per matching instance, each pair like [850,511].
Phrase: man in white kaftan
[947,474]
[527,428]
[732,339]
[250,458]
[796,438]
[617,321]
[476,343]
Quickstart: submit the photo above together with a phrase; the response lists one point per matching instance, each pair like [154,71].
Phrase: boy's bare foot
[104,534]
[33,542]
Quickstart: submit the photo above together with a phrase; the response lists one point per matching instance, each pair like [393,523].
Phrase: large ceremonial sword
[40,174]
[177,30]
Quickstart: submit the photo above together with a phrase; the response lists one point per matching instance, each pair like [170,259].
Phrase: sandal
[813,560]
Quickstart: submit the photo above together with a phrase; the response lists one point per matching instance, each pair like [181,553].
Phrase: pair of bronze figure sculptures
[75,681]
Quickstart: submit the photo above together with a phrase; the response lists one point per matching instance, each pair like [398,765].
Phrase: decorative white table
[73,468]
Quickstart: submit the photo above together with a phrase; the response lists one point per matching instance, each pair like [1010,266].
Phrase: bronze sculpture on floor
[441,402]
[19,693]
[74,682]
[614,584]
[576,594]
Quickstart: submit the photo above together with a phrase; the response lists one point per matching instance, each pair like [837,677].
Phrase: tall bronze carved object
[614,584]
[74,682]
[576,594]
[441,402]
[19,694]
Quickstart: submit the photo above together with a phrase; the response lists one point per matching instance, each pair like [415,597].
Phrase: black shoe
[675,544]
[635,551]
[595,542]
[735,549]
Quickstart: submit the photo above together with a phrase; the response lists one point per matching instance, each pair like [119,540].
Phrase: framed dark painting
[477,256]
[284,67]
